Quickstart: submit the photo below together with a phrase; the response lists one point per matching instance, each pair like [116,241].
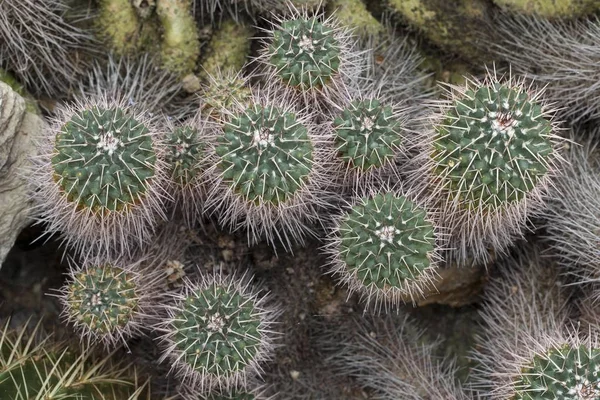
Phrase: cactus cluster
[397,187]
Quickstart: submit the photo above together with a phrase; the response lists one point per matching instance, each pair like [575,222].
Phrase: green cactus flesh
[386,241]
[266,154]
[184,154]
[305,53]
[493,147]
[218,330]
[224,93]
[564,373]
[367,135]
[103,298]
[104,160]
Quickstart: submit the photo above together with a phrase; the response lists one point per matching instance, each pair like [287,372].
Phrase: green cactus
[217,333]
[565,372]
[104,160]
[34,369]
[225,91]
[233,395]
[493,147]
[385,247]
[102,301]
[184,154]
[367,135]
[305,53]
[266,154]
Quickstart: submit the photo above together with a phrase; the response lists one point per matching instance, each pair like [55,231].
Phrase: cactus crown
[367,135]
[386,240]
[184,154]
[225,91]
[493,146]
[104,159]
[217,329]
[305,52]
[562,373]
[266,154]
[102,298]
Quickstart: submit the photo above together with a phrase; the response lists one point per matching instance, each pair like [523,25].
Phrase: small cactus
[489,160]
[224,91]
[312,54]
[185,157]
[267,170]
[107,302]
[368,138]
[100,179]
[218,332]
[385,247]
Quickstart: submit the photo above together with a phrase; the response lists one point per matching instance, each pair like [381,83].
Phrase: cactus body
[217,333]
[100,181]
[385,247]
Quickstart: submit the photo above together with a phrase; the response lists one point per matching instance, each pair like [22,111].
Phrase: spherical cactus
[488,162]
[311,54]
[218,332]
[268,170]
[99,179]
[368,139]
[185,157]
[225,90]
[385,247]
[108,302]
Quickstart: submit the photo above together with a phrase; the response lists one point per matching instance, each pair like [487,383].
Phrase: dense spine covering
[109,303]
[38,44]
[224,90]
[33,368]
[314,55]
[267,170]
[391,357]
[489,160]
[561,55]
[386,248]
[100,178]
[218,332]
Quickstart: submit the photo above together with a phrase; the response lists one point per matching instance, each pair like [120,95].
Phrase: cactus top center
[184,155]
[493,147]
[367,135]
[386,240]
[104,159]
[217,329]
[266,154]
[305,53]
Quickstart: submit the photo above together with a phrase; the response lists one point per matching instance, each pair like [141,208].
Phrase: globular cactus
[218,332]
[99,179]
[488,162]
[369,140]
[224,90]
[385,247]
[39,44]
[268,170]
[311,54]
[34,368]
[186,158]
[108,302]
